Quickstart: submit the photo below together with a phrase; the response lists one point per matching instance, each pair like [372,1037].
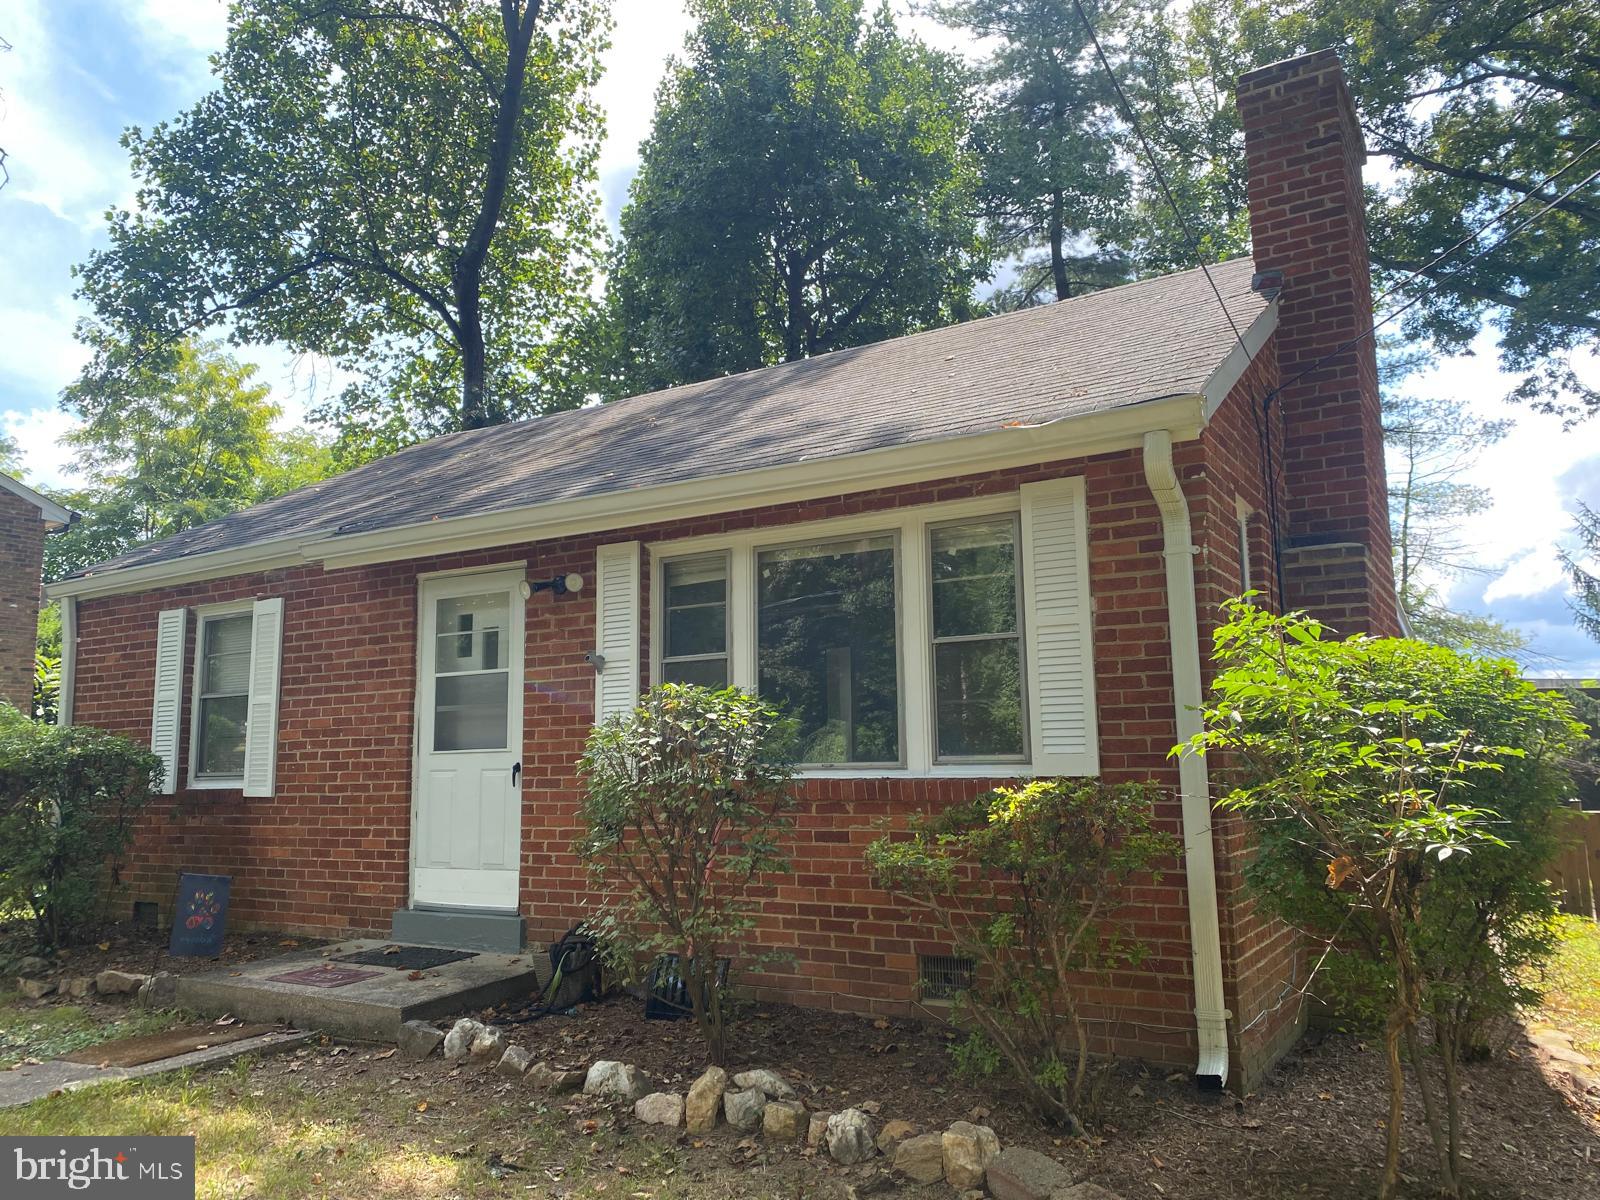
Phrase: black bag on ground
[574,970]
[666,996]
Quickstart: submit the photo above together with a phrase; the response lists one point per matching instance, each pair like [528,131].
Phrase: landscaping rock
[968,1151]
[548,1079]
[1086,1191]
[35,989]
[893,1134]
[78,986]
[704,1101]
[850,1136]
[458,1042]
[784,1121]
[33,966]
[161,991]
[515,1061]
[921,1159]
[607,1078]
[489,1044]
[743,1108]
[873,1182]
[660,1108]
[119,983]
[1023,1174]
[817,1129]
[419,1039]
[770,1082]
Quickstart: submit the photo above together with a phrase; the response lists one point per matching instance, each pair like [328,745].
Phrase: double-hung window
[694,614]
[221,696]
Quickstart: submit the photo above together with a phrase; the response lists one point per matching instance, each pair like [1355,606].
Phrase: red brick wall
[328,852]
[1305,151]
[21,559]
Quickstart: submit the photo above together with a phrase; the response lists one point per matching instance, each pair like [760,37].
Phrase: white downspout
[1199,862]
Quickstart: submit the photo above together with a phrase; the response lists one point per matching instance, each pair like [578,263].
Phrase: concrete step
[503,933]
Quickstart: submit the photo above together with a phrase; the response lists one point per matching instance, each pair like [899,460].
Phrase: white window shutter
[617,629]
[261,726]
[167,709]
[1059,626]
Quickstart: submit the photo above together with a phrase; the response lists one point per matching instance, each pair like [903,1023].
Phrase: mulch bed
[1313,1128]
[144,951]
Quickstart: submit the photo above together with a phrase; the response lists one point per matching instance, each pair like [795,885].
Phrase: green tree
[1583,572]
[1054,193]
[1468,108]
[10,457]
[406,187]
[807,186]
[165,450]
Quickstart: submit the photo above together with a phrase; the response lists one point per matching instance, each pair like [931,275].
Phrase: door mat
[135,1052]
[324,976]
[406,958]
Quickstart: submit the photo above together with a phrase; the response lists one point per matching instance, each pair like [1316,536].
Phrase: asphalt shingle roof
[1144,341]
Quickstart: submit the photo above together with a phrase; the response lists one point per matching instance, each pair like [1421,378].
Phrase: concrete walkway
[24,1084]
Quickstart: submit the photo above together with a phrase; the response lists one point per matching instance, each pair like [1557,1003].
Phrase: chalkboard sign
[200,916]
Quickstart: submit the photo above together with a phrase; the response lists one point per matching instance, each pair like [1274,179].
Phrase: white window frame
[1019,636]
[658,613]
[202,615]
[914,614]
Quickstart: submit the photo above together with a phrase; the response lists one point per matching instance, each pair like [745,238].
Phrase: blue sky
[81,71]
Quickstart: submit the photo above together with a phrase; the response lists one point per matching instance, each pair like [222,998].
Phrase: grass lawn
[46,1031]
[1572,985]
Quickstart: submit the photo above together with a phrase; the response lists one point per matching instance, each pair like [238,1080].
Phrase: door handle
[516,772]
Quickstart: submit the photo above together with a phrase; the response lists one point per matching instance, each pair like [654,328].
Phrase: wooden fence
[1577,869]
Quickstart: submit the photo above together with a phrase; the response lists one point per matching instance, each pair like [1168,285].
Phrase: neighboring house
[25,518]
[971,554]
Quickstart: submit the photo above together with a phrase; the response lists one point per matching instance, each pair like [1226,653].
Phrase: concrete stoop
[372,1009]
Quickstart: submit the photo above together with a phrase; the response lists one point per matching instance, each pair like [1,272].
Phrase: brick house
[959,557]
[25,518]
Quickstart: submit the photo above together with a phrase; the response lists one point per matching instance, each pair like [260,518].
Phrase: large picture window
[977,644]
[222,697]
[828,646]
[694,613]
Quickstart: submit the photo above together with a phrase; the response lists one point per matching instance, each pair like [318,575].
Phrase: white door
[467,821]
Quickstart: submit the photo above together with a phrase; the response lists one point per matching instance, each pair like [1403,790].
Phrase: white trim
[1232,368]
[166,703]
[1199,861]
[909,526]
[54,515]
[203,613]
[69,661]
[510,564]
[261,697]
[658,611]
[617,608]
[1067,438]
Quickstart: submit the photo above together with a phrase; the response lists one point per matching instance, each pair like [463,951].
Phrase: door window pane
[471,686]
[828,652]
[222,703]
[977,650]
[694,645]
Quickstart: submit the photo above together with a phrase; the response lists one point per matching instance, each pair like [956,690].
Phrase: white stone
[608,1078]
[35,989]
[770,1082]
[660,1108]
[489,1044]
[968,1151]
[921,1159]
[743,1108]
[118,983]
[515,1061]
[458,1042]
[850,1136]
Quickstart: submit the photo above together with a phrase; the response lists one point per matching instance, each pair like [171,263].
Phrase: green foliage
[406,188]
[68,801]
[10,456]
[1406,801]
[685,800]
[807,186]
[46,687]
[1028,881]
[166,449]
[1583,572]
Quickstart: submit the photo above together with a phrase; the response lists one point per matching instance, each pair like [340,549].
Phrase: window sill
[215,785]
[998,770]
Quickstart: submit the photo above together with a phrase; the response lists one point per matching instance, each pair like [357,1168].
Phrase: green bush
[46,687]
[1028,882]
[68,800]
[685,799]
[1406,802]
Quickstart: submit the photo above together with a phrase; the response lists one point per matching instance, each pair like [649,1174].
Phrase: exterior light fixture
[560,585]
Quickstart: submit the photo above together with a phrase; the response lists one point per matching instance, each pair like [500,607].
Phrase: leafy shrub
[1027,882]
[46,687]
[68,800]
[1406,801]
[685,801]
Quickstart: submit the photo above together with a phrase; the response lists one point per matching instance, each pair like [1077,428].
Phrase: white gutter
[1199,861]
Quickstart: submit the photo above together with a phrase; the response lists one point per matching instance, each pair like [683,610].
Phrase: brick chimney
[1304,149]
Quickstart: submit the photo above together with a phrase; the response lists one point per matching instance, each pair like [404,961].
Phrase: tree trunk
[1058,261]
[1393,1032]
[466,279]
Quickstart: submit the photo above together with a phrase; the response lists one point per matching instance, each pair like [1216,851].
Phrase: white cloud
[37,432]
